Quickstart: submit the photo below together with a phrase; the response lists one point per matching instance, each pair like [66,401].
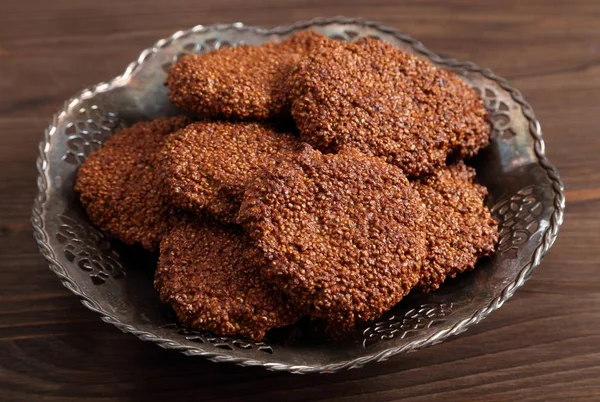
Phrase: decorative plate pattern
[88,132]
[422,317]
[86,247]
[518,220]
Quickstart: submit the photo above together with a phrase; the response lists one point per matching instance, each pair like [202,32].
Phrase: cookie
[460,228]
[208,274]
[342,233]
[207,166]
[117,184]
[371,96]
[243,82]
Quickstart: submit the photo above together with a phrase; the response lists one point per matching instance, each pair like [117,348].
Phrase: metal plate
[526,195]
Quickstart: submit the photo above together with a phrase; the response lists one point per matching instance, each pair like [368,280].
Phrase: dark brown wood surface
[542,345]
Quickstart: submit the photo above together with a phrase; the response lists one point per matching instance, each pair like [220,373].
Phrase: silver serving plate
[526,196]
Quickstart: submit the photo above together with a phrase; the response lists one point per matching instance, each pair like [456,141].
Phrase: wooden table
[542,345]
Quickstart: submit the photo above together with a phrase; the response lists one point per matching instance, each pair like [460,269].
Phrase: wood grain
[542,345]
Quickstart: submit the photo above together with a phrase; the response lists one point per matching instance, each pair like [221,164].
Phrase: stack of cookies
[316,177]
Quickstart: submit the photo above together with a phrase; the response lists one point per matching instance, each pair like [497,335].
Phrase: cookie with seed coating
[208,274]
[206,166]
[460,228]
[343,234]
[244,82]
[374,97]
[117,184]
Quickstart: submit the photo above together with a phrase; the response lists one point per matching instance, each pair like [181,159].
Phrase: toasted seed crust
[460,228]
[342,233]
[207,273]
[206,167]
[374,97]
[243,82]
[117,184]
